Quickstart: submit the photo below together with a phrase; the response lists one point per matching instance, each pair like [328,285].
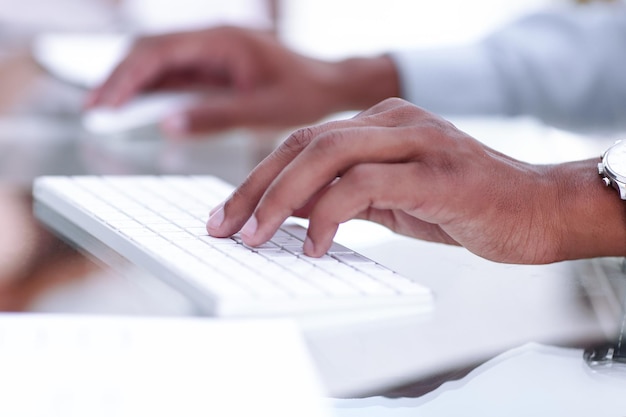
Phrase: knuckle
[330,141]
[389,103]
[298,140]
[394,102]
[325,136]
[440,131]
[302,137]
[407,113]
[395,111]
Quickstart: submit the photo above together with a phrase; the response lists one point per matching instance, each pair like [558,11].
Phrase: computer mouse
[147,110]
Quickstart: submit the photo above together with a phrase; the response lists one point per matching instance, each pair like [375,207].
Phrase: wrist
[593,217]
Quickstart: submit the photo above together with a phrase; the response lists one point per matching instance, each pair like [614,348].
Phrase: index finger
[242,202]
[136,71]
[328,156]
[147,60]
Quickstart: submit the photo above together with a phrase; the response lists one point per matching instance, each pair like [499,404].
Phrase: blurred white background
[329,27]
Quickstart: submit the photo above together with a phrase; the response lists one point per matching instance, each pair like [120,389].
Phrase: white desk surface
[481,309]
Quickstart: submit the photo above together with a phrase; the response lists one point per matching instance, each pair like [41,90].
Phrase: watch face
[616,159]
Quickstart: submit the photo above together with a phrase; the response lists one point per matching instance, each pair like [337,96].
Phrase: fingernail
[249,229]
[215,219]
[216,208]
[176,124]
[308,247]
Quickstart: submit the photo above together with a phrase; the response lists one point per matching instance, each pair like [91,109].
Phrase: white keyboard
[158,224]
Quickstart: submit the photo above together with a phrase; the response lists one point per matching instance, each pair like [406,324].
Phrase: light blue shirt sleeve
[565,66]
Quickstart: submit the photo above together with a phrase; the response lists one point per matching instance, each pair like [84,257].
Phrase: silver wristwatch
[612,168]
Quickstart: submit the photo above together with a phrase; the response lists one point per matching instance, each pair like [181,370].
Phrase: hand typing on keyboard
[415,173]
